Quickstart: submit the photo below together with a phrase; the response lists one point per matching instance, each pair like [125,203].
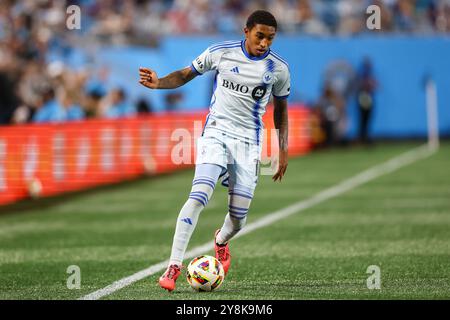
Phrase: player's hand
[282,166]
[148,78]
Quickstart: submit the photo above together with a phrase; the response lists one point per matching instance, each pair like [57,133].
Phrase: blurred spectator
[8,98]
[340,82]
[387,24]
[308,22]
[73,111]
[442,22]
[318,136]
[350,17]
[91,103]
[49,110]
[173,100]
[404,15]
[115,105]
[365,94]
[97,81]
[340,75]
[331,109]
[143,106]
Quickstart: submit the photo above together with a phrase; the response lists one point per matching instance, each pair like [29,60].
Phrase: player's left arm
[280,119]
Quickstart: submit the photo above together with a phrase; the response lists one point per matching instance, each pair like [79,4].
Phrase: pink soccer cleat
[222,253]
[168,279]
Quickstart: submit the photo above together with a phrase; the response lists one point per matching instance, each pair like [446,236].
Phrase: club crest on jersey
[267,77]
[259,92]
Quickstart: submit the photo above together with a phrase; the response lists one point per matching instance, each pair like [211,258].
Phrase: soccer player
[247,73]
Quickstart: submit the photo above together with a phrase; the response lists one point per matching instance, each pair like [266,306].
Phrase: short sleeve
[204,62]
[282,87]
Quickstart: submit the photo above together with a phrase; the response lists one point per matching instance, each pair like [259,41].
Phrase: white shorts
[241,159]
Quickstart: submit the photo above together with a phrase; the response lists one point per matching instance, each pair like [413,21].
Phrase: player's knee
[205,187]
[242,188]
[239,203]
[198,198]
[241,193]
[202,193]
[204,183]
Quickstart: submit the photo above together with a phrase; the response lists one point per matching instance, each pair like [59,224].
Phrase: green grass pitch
[399,222]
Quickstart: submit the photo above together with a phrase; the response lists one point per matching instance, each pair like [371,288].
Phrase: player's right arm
[207,61]
[149,78]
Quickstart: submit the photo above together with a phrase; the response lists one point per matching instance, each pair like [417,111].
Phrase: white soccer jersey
[242,87]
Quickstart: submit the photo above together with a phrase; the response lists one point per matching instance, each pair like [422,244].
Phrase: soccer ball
[205,273]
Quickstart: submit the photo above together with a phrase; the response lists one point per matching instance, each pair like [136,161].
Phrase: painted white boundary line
[387,167]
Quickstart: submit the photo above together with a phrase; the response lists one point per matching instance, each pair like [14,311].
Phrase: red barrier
[55,158]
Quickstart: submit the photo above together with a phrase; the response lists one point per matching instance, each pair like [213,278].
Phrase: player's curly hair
[261,17]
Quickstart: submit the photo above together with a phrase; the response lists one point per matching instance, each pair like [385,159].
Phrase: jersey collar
[250,56]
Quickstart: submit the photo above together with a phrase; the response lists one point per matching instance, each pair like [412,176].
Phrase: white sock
[238,204]
[231,226]
[187,220]
[206,176]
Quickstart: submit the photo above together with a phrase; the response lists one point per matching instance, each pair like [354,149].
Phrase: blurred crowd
[54,93]
[34,90]
[133,21]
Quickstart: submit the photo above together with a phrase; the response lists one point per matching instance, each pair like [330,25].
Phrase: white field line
[387,167]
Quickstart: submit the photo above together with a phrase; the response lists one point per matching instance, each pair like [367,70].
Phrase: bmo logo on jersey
[235,87]
[257,93]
